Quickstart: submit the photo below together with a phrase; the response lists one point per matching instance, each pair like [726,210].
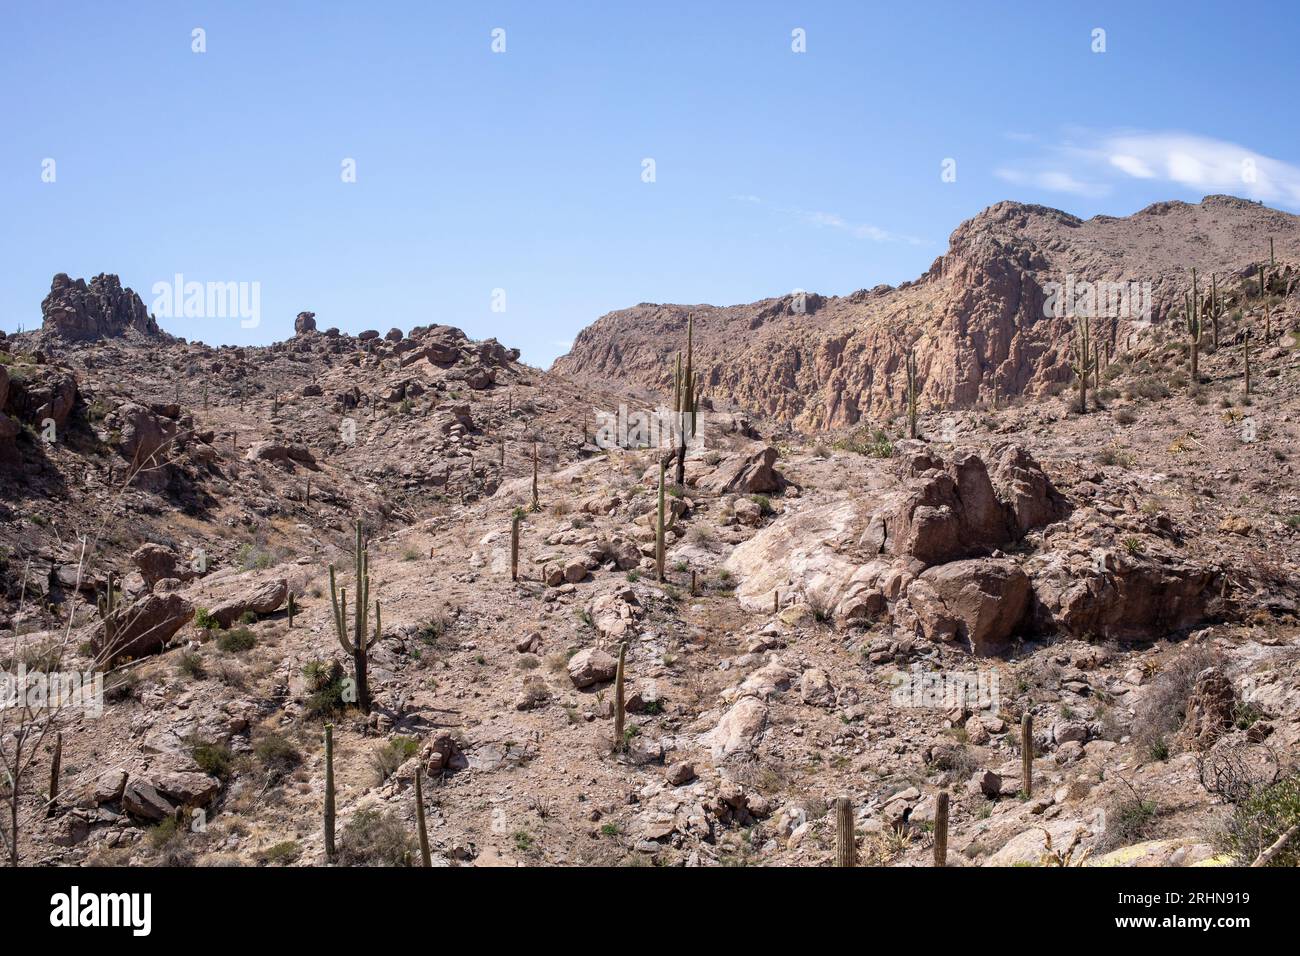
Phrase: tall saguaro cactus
[686,401]
[330,849]
[1194,327]
[1245,347]
[1084,362]
[55,766]
[536,505]
[358,644]
[514,547]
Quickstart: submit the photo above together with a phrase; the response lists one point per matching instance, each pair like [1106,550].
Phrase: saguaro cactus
[514,547]
[536,505]
[55,765]
[358,645]
[1245,351]
[106,604]
[659,527]
[1214,308]
[620,702]
[941,829]
[846,844]
[1027,754]
[1083,362]
[291,608]
[911,393]
[686,402]
[1192,304]
[425,858]
[329,793]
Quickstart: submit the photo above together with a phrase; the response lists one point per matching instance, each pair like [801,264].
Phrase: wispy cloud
[1092,163]
[831,220]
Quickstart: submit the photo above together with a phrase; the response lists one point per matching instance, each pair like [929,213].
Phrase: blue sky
[522,171]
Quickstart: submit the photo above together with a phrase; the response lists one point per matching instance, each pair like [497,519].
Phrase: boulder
[752,472]
[156,563]
[591,666]
[980,602]
[738,729]
[304,323]
[142,627]
[265,597]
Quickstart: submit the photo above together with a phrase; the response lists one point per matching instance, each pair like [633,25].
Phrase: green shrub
[325,683]
[1257,823]
[237,641]
[277,755]
[203,618]
[190,664]
[392,754]
[212,757]
[282,854]
[372,838]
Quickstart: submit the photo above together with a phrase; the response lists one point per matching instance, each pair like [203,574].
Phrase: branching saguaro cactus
[620,700]
[425,857]
[1027,754]
[330,849]
[846,843]
[1084,362]
[911,393]
[941,829]
[659,527]
[359,644]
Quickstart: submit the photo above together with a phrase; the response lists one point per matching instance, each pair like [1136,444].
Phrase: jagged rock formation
[975,318]
[79,311]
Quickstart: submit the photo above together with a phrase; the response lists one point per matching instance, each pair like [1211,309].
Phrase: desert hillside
[1015,623]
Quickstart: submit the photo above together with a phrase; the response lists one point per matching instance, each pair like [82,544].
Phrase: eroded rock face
[953,510]
[79,311]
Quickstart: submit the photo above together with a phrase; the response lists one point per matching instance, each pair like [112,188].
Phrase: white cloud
[1197,163]
[830,220]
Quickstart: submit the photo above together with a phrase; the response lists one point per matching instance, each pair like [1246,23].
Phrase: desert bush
[392,754]
[237,641]
[277,755]
[372,838]
[1160,713]
[1257,823]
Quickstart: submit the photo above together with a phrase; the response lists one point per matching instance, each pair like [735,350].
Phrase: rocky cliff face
[79,311]
[976,319]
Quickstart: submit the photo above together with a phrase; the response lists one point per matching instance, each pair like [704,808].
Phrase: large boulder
[144,438]
[266,597]
[154,562]
[980,602]
[591,666]
[750,472]
[738,730]
[304,323]
[142,627]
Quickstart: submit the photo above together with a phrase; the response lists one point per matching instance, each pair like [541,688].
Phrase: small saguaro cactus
[55,766]
[659,527]
[329,793]
[846,844]
[686,401]
[425,857]
[941,829]
[620,701]
[536,505]
[106,604]
[514,547]
[359,644]
[1214,308]
[291,608]
[1027,754]
[1084,362]
[911,393]
[1245,351]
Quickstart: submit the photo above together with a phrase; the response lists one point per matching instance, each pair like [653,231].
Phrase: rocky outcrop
[304,323]
[976,319]
[747,472]
[266,597]
[981,603]
[79,311]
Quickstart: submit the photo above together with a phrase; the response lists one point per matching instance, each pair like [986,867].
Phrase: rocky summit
[998,567]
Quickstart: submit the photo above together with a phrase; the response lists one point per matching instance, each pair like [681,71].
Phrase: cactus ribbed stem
[536,505]
[911,394]
[291,608]
[941,829]
[846,846]
[329,793]
[359,644]
[1084,361]
[425,858]
[620,702]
